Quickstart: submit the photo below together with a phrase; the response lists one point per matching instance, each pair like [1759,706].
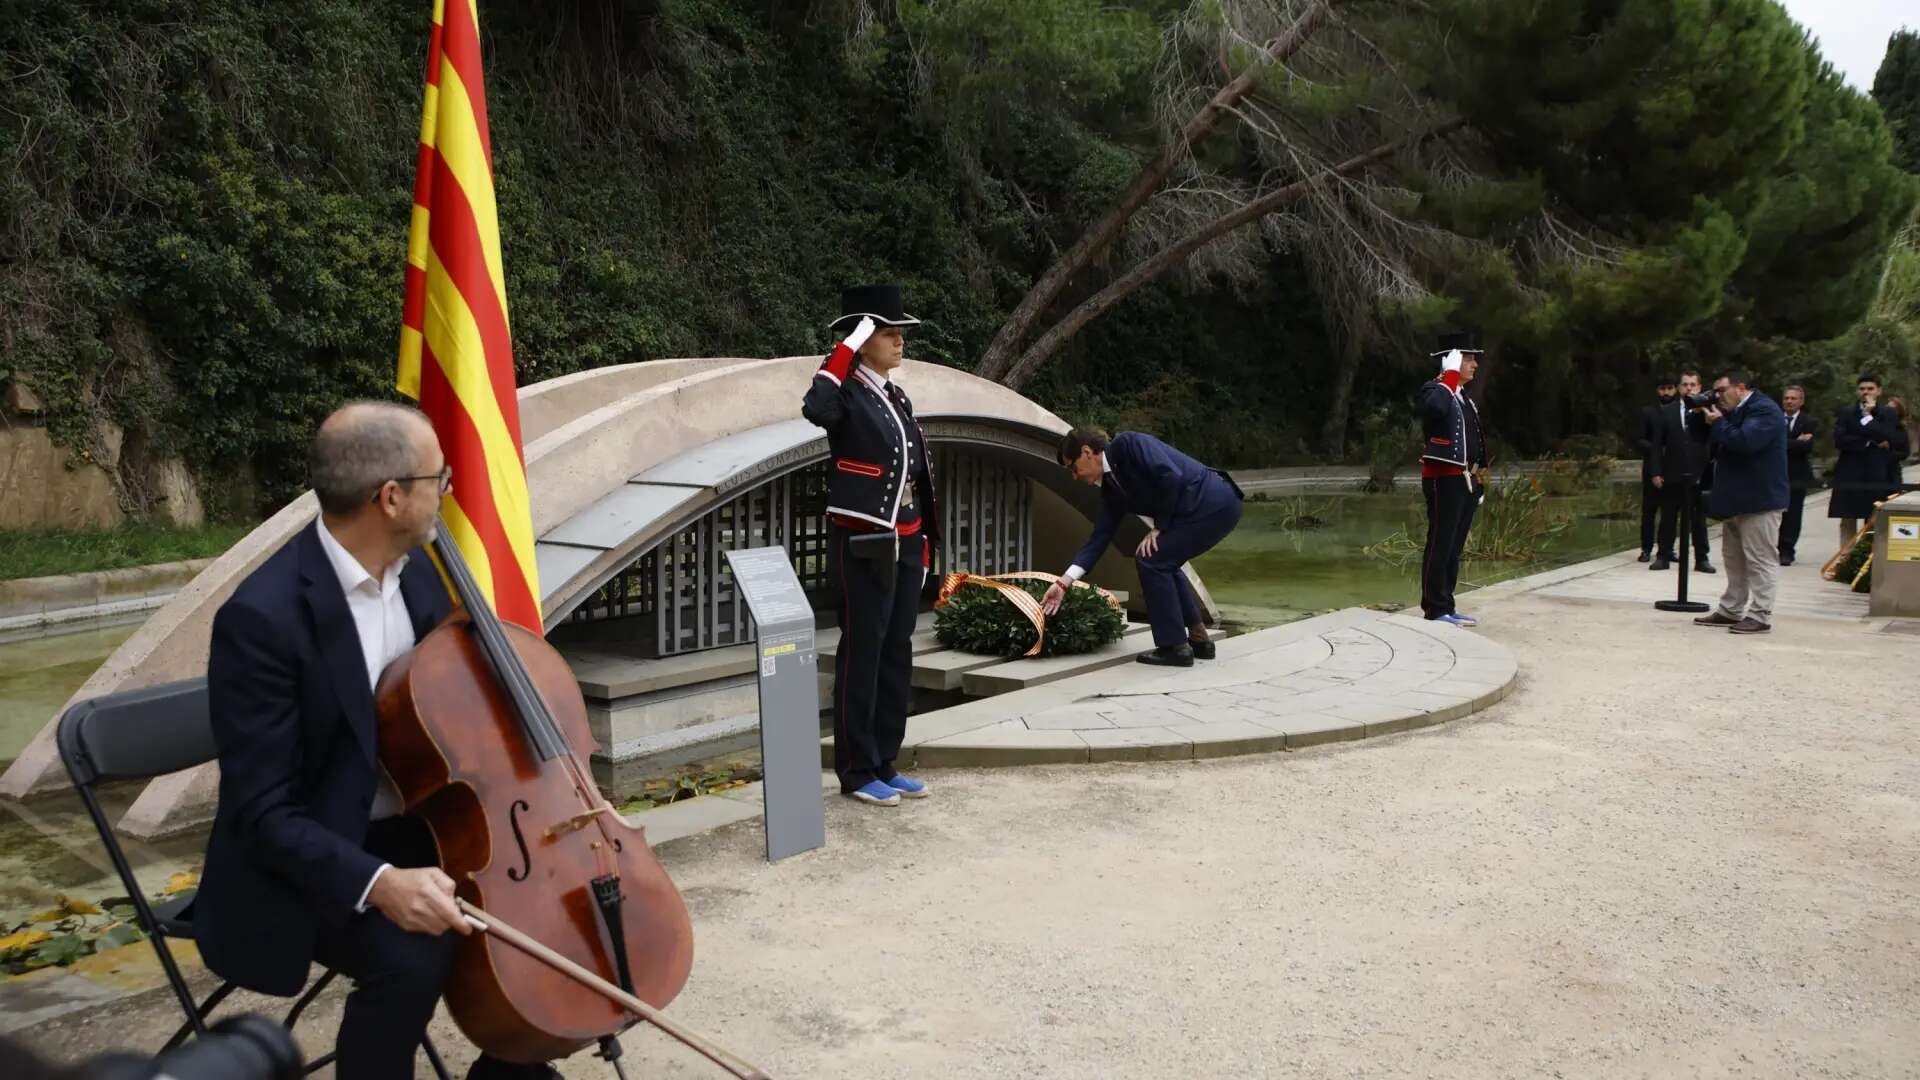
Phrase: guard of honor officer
[1453,474]
[882,524]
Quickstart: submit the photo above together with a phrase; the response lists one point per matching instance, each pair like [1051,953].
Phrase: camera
[1706,399]
[240,1048]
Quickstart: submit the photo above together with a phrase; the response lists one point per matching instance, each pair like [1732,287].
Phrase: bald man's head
[363,445]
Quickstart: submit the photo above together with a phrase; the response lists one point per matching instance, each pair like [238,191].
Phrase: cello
[579,932]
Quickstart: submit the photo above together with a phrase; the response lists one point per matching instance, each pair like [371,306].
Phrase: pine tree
[1897,88]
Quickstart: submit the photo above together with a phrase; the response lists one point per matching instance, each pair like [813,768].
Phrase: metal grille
[987,512]
[682,591]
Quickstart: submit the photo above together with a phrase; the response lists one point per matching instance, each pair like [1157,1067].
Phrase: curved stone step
[1349,674]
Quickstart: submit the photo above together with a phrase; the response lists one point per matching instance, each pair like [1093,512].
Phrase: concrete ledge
[1346,675]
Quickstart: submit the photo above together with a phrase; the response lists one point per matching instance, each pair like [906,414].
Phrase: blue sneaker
[907,786]
[876,792]
[1464,619]
[1450,620]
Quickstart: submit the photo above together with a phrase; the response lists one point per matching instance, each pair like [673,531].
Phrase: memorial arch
[641,477]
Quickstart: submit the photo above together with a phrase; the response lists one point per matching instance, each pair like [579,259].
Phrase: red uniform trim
[859,468]
[839,362]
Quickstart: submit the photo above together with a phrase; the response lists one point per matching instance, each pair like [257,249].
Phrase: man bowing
[1192,507]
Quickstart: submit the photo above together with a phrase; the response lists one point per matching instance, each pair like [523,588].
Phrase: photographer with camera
[1748,433]
[1679,467]
[1865,433]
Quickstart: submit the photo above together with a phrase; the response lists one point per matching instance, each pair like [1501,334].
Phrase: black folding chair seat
[138,735]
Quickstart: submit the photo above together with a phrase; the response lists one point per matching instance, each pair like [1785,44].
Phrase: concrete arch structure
[617,459]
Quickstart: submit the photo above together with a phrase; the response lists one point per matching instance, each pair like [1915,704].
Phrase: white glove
[1451,361]
[860,334]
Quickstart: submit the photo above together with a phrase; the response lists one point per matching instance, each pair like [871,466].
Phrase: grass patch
[43,552]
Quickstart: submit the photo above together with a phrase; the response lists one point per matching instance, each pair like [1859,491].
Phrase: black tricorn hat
[1464,340]
[881,303]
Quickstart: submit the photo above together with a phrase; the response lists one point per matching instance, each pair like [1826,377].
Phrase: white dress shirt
[386,633]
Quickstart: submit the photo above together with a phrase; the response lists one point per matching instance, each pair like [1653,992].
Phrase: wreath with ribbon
[1000,616]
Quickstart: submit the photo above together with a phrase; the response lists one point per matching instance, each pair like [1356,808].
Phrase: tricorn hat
[881,303]
[1464,340]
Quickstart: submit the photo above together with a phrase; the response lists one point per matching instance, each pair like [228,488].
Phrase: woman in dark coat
[1865,434]
[882,525]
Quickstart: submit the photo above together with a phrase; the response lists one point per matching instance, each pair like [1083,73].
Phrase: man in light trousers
[1748,436]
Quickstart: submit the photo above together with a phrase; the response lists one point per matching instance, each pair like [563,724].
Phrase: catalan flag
[456,352]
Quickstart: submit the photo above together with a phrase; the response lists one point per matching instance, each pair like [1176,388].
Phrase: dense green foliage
[977,619]
[207,208]
[1896,87]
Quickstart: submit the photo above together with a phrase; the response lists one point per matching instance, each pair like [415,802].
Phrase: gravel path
[1672,852]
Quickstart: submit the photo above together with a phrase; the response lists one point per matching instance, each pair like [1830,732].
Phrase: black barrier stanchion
[1688,497]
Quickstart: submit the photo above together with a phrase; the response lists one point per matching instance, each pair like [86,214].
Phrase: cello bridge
[578,821]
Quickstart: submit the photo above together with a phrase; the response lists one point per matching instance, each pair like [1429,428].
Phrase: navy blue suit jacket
[1154,480]
[294,719]
[1749,459]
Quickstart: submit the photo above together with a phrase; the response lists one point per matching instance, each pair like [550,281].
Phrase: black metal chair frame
[160,730]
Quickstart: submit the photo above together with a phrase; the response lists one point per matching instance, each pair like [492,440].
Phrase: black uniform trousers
[1671,497]
[1451,502]
[1649,513]
[879,602]
[1790,522]
[397,975]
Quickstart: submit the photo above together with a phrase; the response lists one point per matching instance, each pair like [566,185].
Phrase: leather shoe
[1180,655]
[1786,560]
[1704,567]
[1714,618]
[1660,564]
[1645,557]
[1202,650]
[1750,626]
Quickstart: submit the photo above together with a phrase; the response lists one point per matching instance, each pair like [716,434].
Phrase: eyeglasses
[445,476]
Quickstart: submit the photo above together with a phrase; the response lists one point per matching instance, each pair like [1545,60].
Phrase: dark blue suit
[289,856]
[1193,506]
[1749,459]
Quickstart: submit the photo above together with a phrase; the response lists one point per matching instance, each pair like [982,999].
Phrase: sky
[1853,33]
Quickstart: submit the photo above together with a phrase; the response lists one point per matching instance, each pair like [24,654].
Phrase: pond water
[1271,571]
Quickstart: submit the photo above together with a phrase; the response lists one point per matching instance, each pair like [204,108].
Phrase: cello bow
[732,1063]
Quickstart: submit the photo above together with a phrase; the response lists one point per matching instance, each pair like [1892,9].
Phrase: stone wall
[46,486]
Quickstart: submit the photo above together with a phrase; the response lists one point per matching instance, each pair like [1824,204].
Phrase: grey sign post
[796,819]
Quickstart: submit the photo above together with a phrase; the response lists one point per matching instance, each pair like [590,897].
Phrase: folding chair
[137,735]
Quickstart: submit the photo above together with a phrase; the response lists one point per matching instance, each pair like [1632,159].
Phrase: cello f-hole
[526,860]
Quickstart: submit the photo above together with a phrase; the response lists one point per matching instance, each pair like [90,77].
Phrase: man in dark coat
[1193,508]
[310,858]
[1802,429]
[1453,465]
[1864,433]
[1650,415]
[1680,453]
[1749,435]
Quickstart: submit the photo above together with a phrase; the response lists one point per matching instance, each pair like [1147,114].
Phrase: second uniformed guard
[1453,463]
[882,525]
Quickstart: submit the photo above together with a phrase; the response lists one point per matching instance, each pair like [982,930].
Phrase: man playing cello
[310,859]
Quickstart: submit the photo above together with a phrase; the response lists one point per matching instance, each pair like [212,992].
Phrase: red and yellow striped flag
[456,354]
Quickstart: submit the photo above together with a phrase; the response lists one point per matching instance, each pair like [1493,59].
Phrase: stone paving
[1349,674]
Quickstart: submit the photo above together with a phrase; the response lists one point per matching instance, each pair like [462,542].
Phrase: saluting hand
[418,901]
[1150,545]
[1056,596]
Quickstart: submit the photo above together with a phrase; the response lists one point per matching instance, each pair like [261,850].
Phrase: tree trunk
[1096,305]
[1334,435]
[998,359]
